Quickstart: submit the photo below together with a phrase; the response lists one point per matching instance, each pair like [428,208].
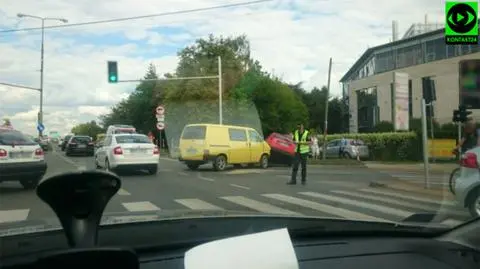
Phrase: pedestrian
[341,150]
[302,140]
[315,147]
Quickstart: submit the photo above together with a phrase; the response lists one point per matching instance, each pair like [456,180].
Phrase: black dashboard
[392,253]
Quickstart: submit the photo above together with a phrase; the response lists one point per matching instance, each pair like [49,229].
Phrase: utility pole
[326,112]
[220,91]
[43,19]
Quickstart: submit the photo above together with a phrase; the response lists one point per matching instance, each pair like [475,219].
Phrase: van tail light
[117,151]
[156,151]
[39,152]
[469,160]
[3,153]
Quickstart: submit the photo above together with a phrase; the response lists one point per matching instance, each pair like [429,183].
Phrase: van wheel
[220,163]
[264,161]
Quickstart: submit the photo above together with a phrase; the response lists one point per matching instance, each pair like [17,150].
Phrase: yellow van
[221,145]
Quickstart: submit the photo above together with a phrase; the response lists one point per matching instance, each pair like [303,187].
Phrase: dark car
[65,141]
[80,144]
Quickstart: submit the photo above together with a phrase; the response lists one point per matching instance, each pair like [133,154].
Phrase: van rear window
[194,132]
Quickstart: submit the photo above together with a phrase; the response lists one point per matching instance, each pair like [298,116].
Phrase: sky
[292,39]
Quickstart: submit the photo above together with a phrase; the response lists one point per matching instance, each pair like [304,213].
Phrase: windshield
[135,139]
[328,109]
[15,138]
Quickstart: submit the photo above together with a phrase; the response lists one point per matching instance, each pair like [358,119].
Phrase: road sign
[160,110]
[40,127]
[160,126]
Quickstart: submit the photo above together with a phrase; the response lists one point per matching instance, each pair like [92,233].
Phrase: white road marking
[197,204]
[387,200]
[374,207]
[415,198]
[123,192]
[140,206]
[332,210]
[258,206]
[239,186]
[182,173]
[13,215]
[205,178]
[81,168]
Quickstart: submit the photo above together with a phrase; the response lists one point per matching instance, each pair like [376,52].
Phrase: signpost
[40,127]
[160,115]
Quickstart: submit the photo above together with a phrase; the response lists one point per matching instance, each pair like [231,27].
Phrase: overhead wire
[187,11]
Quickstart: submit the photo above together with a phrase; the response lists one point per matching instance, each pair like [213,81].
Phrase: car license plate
[19,155]
[82,146]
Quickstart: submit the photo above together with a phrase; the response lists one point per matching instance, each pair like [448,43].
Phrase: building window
[409,56]
[384,62]
[435,50]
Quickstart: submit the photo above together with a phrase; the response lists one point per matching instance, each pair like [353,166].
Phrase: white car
[467,186]
[127,151]
[21,158]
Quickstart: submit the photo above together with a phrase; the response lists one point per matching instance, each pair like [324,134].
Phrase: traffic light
[112,72]
[461,114]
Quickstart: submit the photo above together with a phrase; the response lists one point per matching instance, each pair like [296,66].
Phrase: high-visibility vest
[303,148]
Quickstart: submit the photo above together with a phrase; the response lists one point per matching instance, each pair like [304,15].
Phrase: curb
[400,185]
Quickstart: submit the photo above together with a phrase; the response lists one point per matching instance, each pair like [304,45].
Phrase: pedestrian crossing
[363,204]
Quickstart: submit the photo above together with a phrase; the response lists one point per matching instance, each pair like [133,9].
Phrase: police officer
[301,138]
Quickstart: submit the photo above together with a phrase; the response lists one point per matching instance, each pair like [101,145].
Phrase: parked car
[21,159]
[467,186]
[128,151]
[351,150]
[80,144]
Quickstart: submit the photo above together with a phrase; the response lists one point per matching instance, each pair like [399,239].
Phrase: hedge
[398,146]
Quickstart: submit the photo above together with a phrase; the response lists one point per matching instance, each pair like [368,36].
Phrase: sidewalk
[412,167]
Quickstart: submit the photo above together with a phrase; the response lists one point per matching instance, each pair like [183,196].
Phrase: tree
[89,129]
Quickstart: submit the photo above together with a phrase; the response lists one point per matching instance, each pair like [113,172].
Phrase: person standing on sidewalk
[301,138]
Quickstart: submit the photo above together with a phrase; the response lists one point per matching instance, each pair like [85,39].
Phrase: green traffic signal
[112,72]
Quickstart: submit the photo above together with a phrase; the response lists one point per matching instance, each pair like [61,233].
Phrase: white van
[121,129]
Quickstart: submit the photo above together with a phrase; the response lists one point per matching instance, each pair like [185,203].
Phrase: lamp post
[43,19]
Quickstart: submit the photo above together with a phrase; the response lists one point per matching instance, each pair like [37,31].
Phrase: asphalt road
[330,192]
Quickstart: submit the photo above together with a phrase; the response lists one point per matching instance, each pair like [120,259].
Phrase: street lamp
[43,19]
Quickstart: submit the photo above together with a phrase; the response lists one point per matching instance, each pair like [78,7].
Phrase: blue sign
[40,127]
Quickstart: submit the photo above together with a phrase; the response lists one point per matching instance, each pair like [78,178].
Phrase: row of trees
[251,96]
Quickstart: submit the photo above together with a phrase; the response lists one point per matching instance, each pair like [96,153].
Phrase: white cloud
[295,39]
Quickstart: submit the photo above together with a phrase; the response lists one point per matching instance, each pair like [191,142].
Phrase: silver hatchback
[353,149]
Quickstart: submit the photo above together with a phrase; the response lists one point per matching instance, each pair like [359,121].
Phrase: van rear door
[192,142]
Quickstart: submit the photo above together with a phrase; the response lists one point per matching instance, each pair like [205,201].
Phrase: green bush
[398,146]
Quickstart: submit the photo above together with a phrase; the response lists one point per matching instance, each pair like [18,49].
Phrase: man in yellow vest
[301,138]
